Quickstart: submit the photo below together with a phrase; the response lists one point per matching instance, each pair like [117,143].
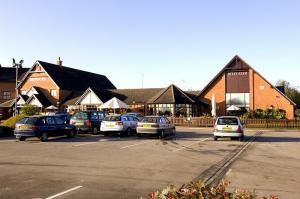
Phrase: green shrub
[11,122]
[269,114]
[197,190]
[29,110]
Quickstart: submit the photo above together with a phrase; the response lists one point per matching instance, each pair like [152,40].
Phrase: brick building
[8,86]
[49,85]
[239,85]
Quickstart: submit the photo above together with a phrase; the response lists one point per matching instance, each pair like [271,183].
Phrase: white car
[228,126]
[121,124]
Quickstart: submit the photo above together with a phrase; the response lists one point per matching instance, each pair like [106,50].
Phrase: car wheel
[162,134]
[44,137]
[139,134]
[215,138]
[128,132]
[71,134]
[105,134]
[95,131]
[22,138]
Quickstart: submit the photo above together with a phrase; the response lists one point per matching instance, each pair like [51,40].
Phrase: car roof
[229,117]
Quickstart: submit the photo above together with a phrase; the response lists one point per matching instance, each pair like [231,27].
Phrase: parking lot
[129,167]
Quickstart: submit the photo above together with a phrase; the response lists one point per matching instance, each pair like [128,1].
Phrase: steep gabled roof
[8,74]
[41,98]
[72,98]
[171,94]
[74,79]
[67,78]
[243,65]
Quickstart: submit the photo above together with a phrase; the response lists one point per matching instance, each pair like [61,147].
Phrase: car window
[50,120]
[112,118]
[23,120]
[162,120]
[41,121]
[124,119]
[28,120]
[135,119]
[150,119]
[227,121]
[59,121]
[80,116]
[167,120]
[101,115]
[130,118]
[94,115]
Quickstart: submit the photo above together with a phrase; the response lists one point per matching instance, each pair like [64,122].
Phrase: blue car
[43,127]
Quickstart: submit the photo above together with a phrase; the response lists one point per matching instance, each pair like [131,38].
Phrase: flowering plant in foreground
[198,190]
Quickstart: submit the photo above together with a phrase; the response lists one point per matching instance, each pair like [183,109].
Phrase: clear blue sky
[169,41]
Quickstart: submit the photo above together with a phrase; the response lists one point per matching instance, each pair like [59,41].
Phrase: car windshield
[28,120]
[80,116]
[150,119]
[112,118]
[227,121]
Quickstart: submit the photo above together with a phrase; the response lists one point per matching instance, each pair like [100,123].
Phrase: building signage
[237,73]
[37,79]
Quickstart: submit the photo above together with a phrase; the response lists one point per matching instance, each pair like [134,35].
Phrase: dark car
[64,116]
[88,121]
[43,127]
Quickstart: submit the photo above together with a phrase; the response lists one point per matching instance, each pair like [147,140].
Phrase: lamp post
[17,66]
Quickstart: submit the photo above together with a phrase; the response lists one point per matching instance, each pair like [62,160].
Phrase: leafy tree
[29,110]
[290,91]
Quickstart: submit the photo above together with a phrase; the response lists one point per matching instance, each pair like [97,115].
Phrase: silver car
[121,124]
[155,125]
[228,126]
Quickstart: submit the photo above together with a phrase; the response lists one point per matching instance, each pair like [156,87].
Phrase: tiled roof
[74,79]
[41,98]
[8,74]
[171,94]
[131,96]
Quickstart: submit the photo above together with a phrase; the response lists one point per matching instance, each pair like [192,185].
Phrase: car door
[126,122]
[51,126]
[169,126]
[163,124]
[94,118]
[60,126]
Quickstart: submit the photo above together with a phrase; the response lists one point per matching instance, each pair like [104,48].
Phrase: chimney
[59,62]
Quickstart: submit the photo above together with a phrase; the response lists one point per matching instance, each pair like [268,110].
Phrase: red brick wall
[266,96]
[7,86]
[44,82]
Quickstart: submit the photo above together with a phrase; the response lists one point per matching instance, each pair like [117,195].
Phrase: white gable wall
[20,101]
[31,92]
[91,99]
[35,102]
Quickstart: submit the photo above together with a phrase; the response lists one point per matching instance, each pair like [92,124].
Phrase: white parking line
[128,146]
[87,143]
[62,193]
[184,147]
